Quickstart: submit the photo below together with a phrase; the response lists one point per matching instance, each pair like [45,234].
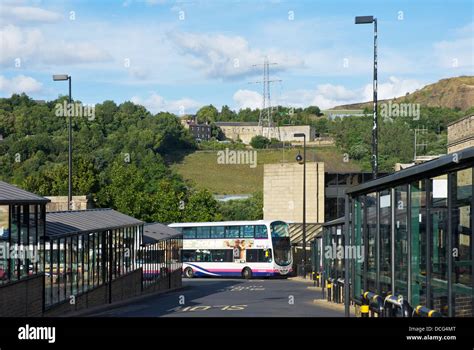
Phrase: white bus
[235,248]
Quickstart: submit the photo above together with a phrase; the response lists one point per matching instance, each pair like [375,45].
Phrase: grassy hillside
[203,170]
[451,93]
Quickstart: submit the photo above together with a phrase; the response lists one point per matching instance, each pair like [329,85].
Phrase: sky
[177,56]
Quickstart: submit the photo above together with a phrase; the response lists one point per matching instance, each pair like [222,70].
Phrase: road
[206,297]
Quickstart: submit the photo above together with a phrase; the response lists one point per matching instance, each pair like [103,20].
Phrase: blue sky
[180,55]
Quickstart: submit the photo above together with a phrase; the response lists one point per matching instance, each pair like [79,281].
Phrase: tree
[207,114]
[200,207]
[313,110]
[227,114]
[259,142]
[243,209]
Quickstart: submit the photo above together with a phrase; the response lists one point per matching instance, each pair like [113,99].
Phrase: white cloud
[30,45]
[157,103]
[228,57]
[19,84]
[395,87]
[27,14]
[458,52]
[328,95]
[247,99]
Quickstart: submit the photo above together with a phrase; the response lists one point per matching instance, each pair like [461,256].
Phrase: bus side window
[261,231]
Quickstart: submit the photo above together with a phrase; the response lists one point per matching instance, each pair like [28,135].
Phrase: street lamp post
[303,135]
[368,20]
[63,77]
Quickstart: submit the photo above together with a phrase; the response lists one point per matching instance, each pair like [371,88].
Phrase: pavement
[219,297]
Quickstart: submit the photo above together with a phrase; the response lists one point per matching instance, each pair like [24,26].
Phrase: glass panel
[217,232]
[248,231]
[15,229]
[203,233]
[330,209]
[371,207]
[4,237]
[232,231]
[401,241]
[385,241]
[189,232]
[32,239]
[462,241]
[438,242]
[358,242]
[261,231]
[418,243]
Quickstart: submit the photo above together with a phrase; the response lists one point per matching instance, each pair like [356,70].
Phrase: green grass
[202,169]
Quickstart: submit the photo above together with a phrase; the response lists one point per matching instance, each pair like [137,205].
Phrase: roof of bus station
[10,194]
[156,232]
[64,223]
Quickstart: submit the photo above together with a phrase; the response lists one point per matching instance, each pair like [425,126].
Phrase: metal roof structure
[63,223]
[10,194]
[156,232]
[452,161]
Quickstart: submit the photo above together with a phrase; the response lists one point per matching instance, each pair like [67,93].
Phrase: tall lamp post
[368,20]
[299,160]
[63,77]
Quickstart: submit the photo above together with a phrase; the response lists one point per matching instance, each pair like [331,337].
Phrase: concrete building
[245,131]
[461,134]
[283,192]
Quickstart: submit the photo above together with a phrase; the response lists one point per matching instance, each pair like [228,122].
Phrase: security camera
[299,158]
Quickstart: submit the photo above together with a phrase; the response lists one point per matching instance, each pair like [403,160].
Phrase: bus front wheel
[188,272]
[247,273]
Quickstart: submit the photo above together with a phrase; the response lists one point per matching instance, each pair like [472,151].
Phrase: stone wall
[283,192]
[22,298]
[461,134]
[59,203]
[245,133]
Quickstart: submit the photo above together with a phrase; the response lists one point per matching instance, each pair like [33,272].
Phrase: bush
[358,151]
[259,142]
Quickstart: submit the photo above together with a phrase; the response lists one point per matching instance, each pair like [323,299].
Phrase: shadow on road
[169,303]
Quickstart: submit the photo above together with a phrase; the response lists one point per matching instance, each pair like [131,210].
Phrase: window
[462,240]
[217,232]
[438,243]
[188,255]
[248,231]
[418,242]
[221,255]
[371,212]
[232,231]
[203,255]
[189,233]
[401,240]
[4,236]
[385,250]
[259,255]
[202,232]
[359,242]
[261,231]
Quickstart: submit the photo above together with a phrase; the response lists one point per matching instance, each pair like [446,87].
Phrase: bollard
[375,303]
[329,288]
[364,308]
[341,282]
